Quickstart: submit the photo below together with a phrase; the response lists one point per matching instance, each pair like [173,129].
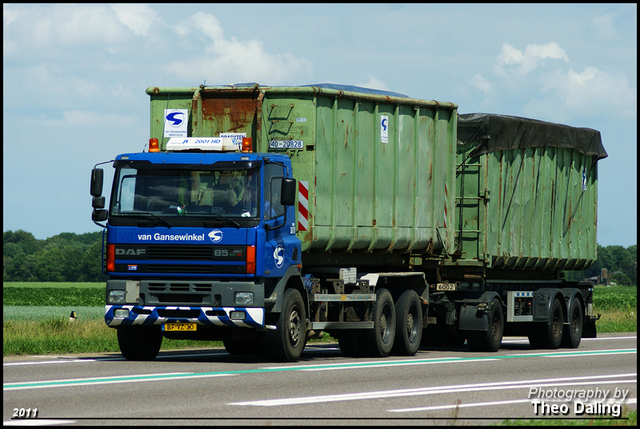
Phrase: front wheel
[139,342]
[287,342]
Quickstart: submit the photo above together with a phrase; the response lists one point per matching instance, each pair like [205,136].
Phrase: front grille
[185,253]
[194,269]
[192,314]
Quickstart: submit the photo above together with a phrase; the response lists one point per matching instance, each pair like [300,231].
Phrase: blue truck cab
[198,245]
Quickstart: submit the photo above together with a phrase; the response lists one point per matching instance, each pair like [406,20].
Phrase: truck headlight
[244,298]
[117,296]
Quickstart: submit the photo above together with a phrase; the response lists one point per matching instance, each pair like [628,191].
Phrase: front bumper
[207,316]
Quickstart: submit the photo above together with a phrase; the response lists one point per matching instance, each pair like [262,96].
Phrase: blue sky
[74,78]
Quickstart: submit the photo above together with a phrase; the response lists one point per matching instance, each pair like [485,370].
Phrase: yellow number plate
[446,286]
[167,327]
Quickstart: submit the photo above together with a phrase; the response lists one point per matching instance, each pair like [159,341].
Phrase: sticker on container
[286,144]
[176,122]
[384,129]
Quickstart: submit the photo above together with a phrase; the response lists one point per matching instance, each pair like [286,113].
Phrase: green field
[35,318]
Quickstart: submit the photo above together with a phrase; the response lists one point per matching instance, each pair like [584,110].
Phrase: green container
[527,194]
[376,170]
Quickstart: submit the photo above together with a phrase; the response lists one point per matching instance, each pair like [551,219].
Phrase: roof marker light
[247,144]
[153,145]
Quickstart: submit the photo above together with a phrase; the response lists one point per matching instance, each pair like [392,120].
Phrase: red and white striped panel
[303,205]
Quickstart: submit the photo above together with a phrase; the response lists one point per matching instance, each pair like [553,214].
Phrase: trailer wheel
[379,341]
[139,342]
[287,342]
[491,339]
[573,331]
[408,324]
[548,335]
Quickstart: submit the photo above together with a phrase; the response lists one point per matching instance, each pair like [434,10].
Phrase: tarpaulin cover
[500,132]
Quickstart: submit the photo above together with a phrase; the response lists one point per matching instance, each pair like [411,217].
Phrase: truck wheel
[139,342]
[548,335]
[491,339]
[408,324]
[379,341]
[287,342]
[573,331]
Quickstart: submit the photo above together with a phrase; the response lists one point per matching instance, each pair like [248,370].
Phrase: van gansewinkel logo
[278,256]
[215,235]
[176,118]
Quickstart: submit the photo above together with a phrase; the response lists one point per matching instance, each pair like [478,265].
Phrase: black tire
[287,342]
[573,331]
[139,343]
[378,342]
[548,335]
[408,324]
[491,339]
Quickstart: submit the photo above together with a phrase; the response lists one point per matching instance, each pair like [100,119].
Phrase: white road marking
[437,390]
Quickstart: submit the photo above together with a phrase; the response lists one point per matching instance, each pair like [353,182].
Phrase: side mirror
[288,192]
[98,202]
[99,215]
[96,182]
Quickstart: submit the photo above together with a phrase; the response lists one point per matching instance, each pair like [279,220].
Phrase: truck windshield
[185,193]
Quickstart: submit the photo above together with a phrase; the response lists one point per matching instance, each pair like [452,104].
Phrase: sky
[74,80]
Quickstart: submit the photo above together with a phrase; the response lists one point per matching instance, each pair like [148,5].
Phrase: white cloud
[85,118]
[527,61]
[591,92]
[604,26]
[46,26]
[480,83]
[374,83]
[231,60]
[139,18]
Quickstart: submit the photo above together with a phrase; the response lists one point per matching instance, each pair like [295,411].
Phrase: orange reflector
[247,144]
[111,257]
[251,259]
[153,145]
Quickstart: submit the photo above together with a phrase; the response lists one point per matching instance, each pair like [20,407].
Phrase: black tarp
[500,132]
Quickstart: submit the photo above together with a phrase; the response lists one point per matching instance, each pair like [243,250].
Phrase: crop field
[36,320]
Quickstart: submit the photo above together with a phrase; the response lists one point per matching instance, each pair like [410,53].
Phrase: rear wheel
[287,342]
[548,335]
[139,342]
[408,324]
[379,341]
[491,339]
[573,331]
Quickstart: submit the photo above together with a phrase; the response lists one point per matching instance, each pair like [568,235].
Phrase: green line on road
[349,365]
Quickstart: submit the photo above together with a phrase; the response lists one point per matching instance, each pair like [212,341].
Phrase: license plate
[446,286]
[168,327]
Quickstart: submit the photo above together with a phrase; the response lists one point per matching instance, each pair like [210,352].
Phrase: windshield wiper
[157,218]
[224,219]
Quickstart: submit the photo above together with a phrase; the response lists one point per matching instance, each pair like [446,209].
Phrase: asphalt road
[436,386]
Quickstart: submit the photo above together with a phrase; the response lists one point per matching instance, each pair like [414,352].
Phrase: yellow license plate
[168,327]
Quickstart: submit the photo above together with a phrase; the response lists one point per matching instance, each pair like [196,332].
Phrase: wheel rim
[556,326]
[294,326]
[385,332]
[412,330]
[495,327]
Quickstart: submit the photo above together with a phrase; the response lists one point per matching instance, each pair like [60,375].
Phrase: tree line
[65,257]
[69,257]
